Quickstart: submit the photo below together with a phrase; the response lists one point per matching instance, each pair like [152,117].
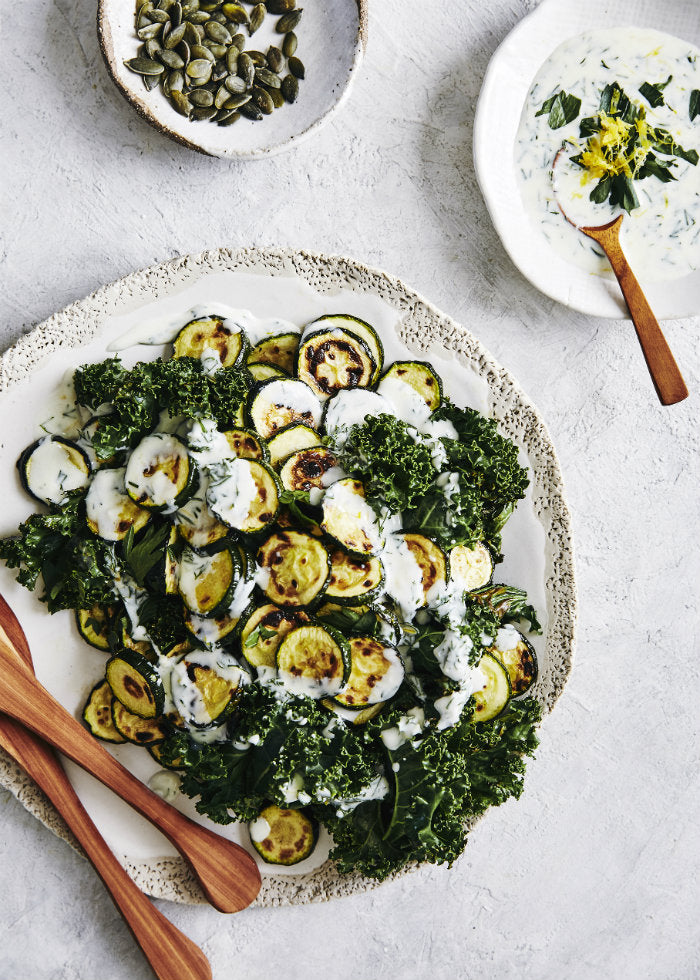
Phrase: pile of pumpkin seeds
[195,50]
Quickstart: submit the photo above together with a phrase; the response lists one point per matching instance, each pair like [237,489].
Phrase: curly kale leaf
[98,384]
[396,469]
[59,547]
[455,518]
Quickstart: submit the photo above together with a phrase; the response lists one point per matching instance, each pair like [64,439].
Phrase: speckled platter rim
[106,43]
[422,327]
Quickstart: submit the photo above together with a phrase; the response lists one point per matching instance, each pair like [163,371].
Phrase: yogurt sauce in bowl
[661,237]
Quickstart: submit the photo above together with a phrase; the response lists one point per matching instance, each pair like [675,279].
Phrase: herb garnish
[694,107]
[654,94]
[561,109]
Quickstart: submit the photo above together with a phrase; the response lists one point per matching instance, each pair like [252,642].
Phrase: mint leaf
[561,108]
[654,94]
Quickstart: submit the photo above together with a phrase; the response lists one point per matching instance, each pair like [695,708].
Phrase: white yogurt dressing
[289,400]
[351,407]
[143,472]
[661,238]
[165,784]
[105,501]
[259,829]
[51,472]
[231,491]
[186,695]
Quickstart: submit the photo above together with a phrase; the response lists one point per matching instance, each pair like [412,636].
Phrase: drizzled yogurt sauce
[661,238]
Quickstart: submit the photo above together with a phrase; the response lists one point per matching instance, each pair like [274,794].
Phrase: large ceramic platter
[298,287]
[506,85]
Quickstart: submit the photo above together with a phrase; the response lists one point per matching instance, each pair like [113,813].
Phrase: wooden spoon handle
[668,380]
[171,954]
[228,875]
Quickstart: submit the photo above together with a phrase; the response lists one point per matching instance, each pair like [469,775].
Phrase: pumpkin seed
[262,100]
[229,119]
[257,16]
[289,45]
[171,59]
[198,17]
[281,6]
[176,35]
[290,88]
[175,12]
[183,49]
[232,58]
[219,73]
[276,96]
[193,33]
[266,77]
[258,58]
[246,69]
[218,50]
[297,67]
[236,101]
[275,58]
[181,103]
[201,97]
[150,81]
[199,68]
[144,66]
[235,13]
[251,111]
[238,41]
[217,32]
[203,112]
[152,49]
[151,30]
[173,82]
[289,21]
[199,51]
[235,85]
[159,17]
[222,96]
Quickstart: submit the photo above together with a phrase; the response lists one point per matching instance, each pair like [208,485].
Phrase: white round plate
[300,287]
[332,36]
[506,84]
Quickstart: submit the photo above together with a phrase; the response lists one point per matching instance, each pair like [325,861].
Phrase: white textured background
[594,872]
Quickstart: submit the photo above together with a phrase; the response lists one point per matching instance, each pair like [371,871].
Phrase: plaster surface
[594,871]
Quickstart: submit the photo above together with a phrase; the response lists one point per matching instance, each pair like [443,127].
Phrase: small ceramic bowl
[332,37]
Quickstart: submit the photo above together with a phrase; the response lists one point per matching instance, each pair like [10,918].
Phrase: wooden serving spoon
[667,378]
[228,875]
[171,954]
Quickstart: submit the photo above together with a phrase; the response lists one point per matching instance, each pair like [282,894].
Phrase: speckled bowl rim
[106,43]
[422,327]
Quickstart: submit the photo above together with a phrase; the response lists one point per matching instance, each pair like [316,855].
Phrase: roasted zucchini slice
[431,561]
[196,523]
[206,582]
[471,568]
[265,372]
[51,467]
[517,656]
[204,685]
[136,683]
[97,713]
[211,332]
[332,360]
[93,625]
[279,351]
[291,439]
[156,750]
[309,468]
[354,580]
[313,661]
[349,519]
[376,674]
[354,717]
[109,510]
[160,473]
[264,630]
[141,731]
[283,836]
[242,493]
[494,694]
[421,377]
[299,567]
[275,404]
[210,630]
[246,444]
[361,329]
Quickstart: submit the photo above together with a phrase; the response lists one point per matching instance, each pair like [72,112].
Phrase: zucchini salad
[285,551]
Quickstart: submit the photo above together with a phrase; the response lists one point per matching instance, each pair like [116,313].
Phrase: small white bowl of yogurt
[577,49]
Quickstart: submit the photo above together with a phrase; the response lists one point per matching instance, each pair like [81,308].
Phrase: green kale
[508,604]
[98,384]
[143,555]
[73,563]
[396,470]
[162,617]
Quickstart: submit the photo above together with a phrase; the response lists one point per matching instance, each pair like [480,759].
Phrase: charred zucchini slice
[93,625]
[291,439]
[517,656]
[245,444]
[242,493]
[211,332]
[265,372]
[313,661]
[109,510]
[141,731]
[196,523]
[299,567]
[136,683]
[354,717]
[279,351]
[210,630]
[97,713]
[494,694]
[471,568]
[206,581]
[204,687]
[265,629]
[160,473]
[283,836]
[421,377]
[349,519]
[361,329]
[275,404]
[354,580]
[309,468]
[332,360]
[431,561]
[156,750]
[376,674]
[51,467]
